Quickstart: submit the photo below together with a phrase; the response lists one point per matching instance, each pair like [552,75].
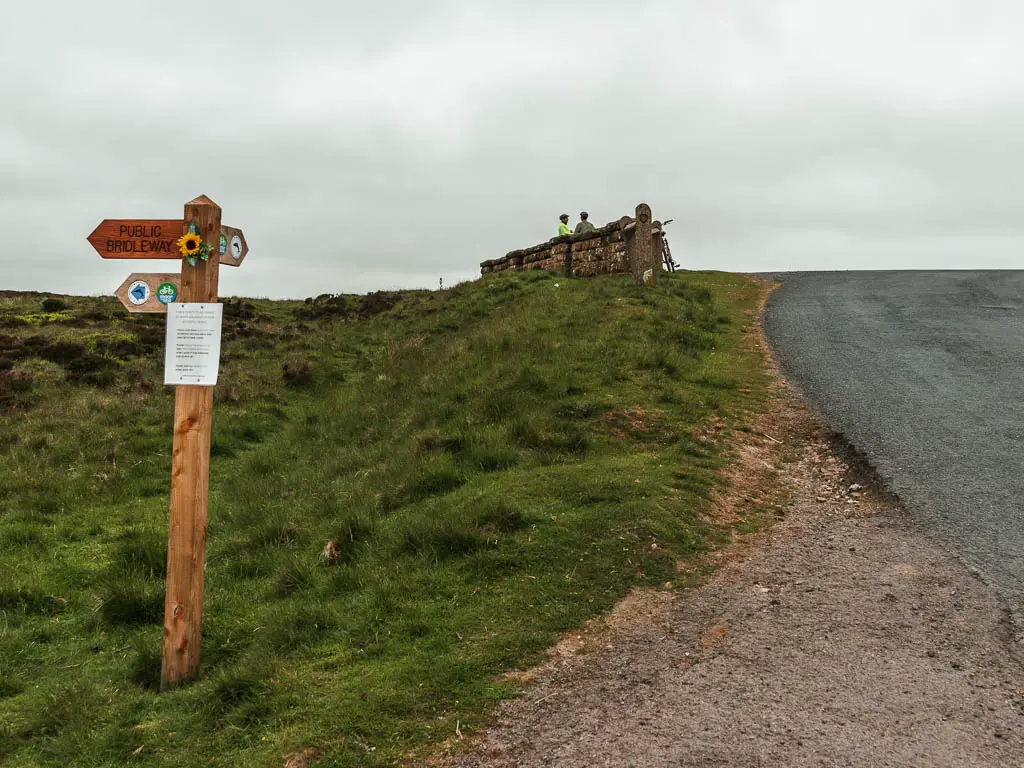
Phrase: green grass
[493,462]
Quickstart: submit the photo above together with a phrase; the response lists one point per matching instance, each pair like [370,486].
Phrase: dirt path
[843,637]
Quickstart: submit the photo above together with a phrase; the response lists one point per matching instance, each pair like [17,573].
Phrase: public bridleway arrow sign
[149,292]
[138,238]
[158,239]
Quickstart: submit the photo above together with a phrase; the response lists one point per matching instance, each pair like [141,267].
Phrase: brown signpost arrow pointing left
[142,292]
[158,239]
[138,238]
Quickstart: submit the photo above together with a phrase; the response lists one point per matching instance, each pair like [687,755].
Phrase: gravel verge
[841,636]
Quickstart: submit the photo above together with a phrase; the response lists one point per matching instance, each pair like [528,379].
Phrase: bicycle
[666,252]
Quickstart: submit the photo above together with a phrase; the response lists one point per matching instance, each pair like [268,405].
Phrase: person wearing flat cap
[563,228]
[584,226]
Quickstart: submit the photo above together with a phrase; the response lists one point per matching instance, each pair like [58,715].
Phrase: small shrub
[503,517]
[90,369]
[489,454]
[98,379]
[454,444]
[576,410]
[144,668]
[141,554]
[54,305]
[297,375]
[32,602]
[9,686]
[663,358]
[440,539]
[21,535]
[717,382]
[222,449]
[351,533]
[670,397]
[375,303]
[428,443]
[272,533]
[431,483]
[43,503]
[299,626]
[20,381]
[692,338]
[15,386]
[150,338]
[234,687]
[122,349]
[62,352]
[250,566]
[95,314]
[250,434]
[501,405]
[129,603]
[70,711]
[493,458]
[566,442]
[293,577]
[524,433]
[33,344]
[528,379]
[325,306]
[237,309]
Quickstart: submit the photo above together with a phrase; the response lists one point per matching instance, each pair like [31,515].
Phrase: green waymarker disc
[166,293]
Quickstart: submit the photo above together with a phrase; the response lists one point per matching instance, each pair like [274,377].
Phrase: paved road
[924,373]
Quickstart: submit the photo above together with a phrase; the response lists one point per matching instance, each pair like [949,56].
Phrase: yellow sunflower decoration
[192,246]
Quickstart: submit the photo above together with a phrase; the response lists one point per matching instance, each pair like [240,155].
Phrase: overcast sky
[363,146]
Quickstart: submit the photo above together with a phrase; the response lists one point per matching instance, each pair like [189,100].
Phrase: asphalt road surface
[924,373]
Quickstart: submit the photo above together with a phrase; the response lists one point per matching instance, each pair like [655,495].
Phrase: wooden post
[190,476]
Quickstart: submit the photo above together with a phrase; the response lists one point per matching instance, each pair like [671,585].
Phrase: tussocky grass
[496,464]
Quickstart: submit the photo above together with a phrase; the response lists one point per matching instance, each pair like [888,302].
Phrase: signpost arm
[190,474]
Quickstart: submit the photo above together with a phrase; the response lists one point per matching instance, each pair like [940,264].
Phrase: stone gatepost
[640,236]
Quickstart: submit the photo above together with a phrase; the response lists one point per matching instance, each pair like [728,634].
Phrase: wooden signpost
[193,407]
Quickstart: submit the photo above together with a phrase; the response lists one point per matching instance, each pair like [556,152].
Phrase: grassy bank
[494,464]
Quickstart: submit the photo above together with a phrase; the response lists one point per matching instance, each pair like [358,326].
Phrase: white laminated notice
[192,354]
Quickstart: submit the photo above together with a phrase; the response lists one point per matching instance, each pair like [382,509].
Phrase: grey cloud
[365,146]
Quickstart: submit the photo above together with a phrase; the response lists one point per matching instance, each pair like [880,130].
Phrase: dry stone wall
[614,249]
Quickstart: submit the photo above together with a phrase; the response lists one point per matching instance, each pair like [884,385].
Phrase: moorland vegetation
[412,493]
